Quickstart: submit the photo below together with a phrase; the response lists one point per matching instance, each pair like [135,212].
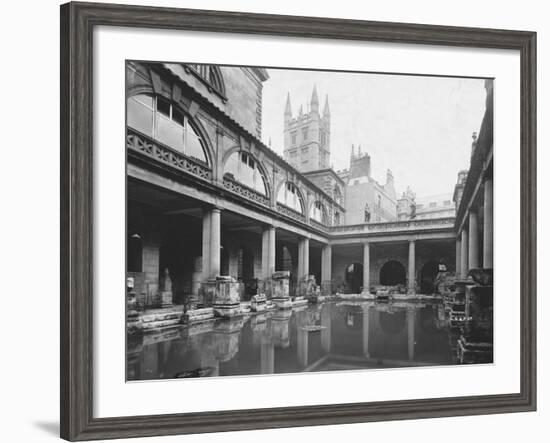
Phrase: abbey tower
[307,136]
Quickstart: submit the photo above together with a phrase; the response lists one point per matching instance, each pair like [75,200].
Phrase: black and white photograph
[282,220]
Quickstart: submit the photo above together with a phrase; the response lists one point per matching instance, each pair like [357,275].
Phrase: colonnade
[211,244]
[467,243]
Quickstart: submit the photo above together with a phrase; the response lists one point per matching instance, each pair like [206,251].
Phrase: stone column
[268,257]
[458,258]
[265,254]
[215,242]
[464,254]
[473,252]
[206,218]
[326,270]
[303,264]
[488,224]
[271,257]
[306,258]
[412,267]
[366,267]
[151,269]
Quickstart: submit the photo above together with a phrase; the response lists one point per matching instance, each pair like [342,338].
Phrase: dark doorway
[354,278]
[392,273]
[427,277]
[134,253]
[245,272]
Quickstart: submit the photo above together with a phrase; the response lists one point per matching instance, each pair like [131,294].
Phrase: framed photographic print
[273,221]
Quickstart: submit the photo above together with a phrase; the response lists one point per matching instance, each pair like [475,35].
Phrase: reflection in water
[331,336]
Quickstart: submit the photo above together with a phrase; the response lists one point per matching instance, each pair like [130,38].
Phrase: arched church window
[158,118]
[318,213]
[290,197]
[242,167]
[336,219]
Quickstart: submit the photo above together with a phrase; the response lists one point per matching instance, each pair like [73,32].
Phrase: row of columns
[211,243]
[467,244]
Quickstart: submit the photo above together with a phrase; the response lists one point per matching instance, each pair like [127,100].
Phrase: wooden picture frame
[77,23]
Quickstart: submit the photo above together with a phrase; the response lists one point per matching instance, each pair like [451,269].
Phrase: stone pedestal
[227,302]
[258,303]
[280,289]
[310,286]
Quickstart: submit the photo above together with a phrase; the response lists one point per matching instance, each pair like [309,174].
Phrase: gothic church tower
[307,136]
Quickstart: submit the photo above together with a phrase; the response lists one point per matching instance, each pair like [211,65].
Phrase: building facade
[206,198]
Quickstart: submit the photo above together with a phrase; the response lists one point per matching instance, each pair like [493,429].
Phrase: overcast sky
[419,127]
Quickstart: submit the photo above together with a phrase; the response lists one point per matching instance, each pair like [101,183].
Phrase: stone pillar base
[227,311]
[227,302]
[258,303]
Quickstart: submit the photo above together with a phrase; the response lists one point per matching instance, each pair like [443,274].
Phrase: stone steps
[160,319]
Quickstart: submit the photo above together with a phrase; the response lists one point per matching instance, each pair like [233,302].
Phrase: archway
[392,273]
[354,278]
[427,277]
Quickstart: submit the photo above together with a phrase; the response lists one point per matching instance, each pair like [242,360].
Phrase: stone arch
[392,273]
[140,89]
[324,211]
[261,166]
[194,122]
[298,189]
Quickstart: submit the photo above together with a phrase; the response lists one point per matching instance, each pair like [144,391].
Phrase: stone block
[280,285]
[258,303]
[227,301]
[199,315]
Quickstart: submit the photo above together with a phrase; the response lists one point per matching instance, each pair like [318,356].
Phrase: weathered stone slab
[258,303]
[227,301]
[280,288]
[198,315]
